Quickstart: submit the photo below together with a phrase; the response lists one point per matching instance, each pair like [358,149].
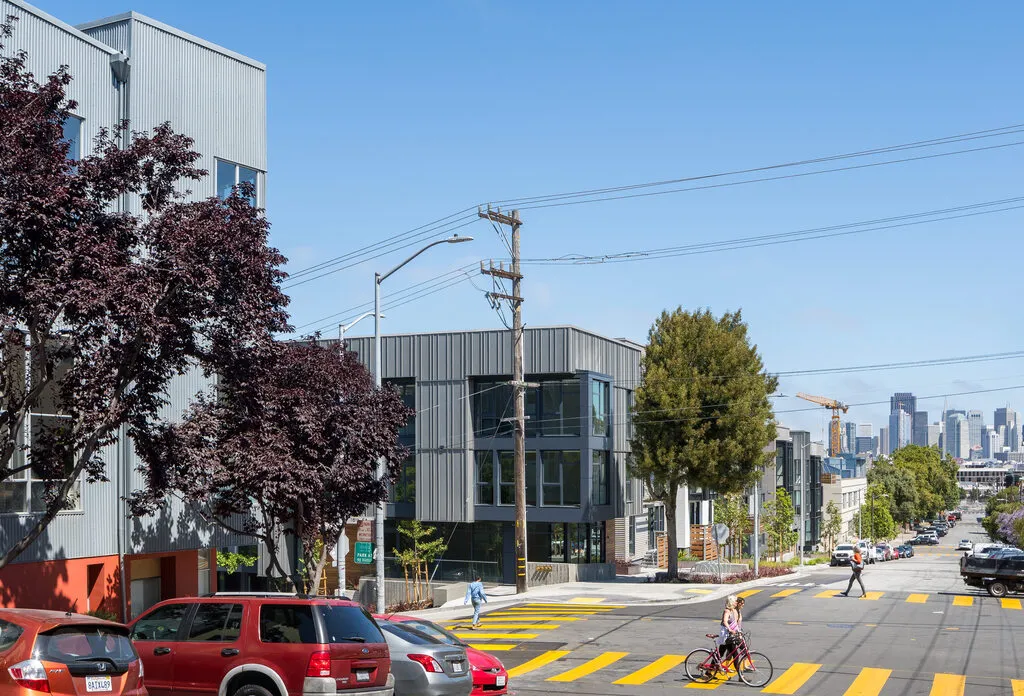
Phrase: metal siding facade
[216,99]
[443,483]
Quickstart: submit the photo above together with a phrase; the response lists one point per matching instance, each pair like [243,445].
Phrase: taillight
[30,674]
[428,663]
[319,664]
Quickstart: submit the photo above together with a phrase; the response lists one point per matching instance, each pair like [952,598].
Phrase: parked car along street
[841,555]
[66,654]
[425,666]
[489,674]
[235,645]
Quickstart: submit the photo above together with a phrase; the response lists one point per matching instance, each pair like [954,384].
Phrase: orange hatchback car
[66,654]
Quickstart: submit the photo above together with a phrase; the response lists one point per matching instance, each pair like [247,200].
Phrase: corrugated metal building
[133,67]
[460,475]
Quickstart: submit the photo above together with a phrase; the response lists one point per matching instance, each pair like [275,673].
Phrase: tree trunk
[670,525]
[320,563]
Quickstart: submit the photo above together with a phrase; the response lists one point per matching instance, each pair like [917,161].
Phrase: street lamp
[803,502]
[343,328]
[379,278]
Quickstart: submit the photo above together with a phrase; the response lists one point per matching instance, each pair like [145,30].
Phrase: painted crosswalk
[511,627]
[606,668]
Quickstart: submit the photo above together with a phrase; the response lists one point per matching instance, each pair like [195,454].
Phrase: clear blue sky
[384,116]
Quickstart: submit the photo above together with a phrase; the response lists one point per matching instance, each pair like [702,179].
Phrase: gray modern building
[1006,418]
[132,67]
[957,435]
[920,429]
[900,429]
[849,437]
[904,401]
[975,426]
[460,473]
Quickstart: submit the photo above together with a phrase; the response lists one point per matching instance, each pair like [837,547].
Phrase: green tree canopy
[874,519]
[833,525]
[898,480]
[702,414]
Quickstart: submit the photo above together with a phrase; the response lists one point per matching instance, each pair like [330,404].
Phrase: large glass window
[407,392]
[599,408]
[73,137]
[484,477]
[507,478]
[230,175]
[492,405]
[561,474]
[287,623]
[404,489]
[599,476]
[554,409]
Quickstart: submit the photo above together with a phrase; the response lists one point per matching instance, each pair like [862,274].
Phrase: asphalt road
[919,631]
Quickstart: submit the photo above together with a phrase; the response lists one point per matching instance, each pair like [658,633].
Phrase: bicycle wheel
[698,667]
[756,669]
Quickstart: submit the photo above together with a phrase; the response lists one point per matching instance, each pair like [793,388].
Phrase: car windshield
[77,643]
[844,547]
[434,631]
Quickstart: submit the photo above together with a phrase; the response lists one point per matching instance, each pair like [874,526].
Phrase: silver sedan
[424,666]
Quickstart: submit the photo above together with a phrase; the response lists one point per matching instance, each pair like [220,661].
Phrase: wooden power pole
[518,380]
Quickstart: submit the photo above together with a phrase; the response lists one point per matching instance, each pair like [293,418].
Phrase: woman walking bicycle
[703,665]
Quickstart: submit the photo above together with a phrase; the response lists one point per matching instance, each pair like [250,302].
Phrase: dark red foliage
[109,305]
[288,447]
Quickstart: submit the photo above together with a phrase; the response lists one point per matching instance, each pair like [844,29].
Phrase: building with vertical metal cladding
[132,67]
[459,475]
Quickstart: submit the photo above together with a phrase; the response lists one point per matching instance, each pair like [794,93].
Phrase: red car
[489,675]
[895,553]
[262,645]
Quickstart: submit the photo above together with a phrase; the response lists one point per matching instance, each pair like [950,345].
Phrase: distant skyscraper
[920,435]
[975,422]
[1007,419]
[934,433]
[864,430]
[957,437]
[849,433]
[990,444]
[866,445]
[883,441]
[900,429]
[903,400]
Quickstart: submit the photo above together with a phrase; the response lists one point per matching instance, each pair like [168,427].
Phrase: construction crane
[834,438]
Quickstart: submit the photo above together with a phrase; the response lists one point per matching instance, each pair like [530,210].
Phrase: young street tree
[833,525]
[732,512]
[287,451]
[702,414]
[100,307]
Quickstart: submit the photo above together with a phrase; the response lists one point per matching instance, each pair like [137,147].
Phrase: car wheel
[997,589]
[252,690]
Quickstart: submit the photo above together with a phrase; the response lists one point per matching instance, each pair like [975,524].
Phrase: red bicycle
[753,668]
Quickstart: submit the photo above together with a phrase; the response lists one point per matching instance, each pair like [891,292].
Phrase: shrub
[771,571]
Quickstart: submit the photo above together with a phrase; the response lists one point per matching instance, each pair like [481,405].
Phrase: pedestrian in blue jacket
[475,593]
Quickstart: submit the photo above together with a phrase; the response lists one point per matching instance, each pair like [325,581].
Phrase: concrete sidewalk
[627,590]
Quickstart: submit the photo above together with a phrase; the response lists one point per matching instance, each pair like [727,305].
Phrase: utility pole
[518,380]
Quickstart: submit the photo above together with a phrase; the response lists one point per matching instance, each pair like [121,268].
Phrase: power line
[461,218]
[846,229]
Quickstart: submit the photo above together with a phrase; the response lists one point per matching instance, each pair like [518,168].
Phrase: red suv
[262,645]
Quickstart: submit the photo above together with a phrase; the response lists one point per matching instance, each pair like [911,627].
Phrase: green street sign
[364,552]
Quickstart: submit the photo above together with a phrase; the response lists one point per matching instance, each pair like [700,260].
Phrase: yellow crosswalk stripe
[786,593]
[713,684]
[495,636]
[589,667]
[491,647]
[499,618]
[655,669]
[601,607]
[513,627]
[948,685]
[1010,603]
[541,660]
[826,594]
[792,679]
[548,610]
[748,593]
[869,682]
[917,598]
[699,590]
[1018,687]
[963,601]
[585,600]
[873,595]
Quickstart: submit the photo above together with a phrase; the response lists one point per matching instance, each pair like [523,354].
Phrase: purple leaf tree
[101,307]
[286,452]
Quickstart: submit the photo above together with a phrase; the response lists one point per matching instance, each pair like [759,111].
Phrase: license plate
[97,684]
[499,681]
[456,667]
[362,676]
